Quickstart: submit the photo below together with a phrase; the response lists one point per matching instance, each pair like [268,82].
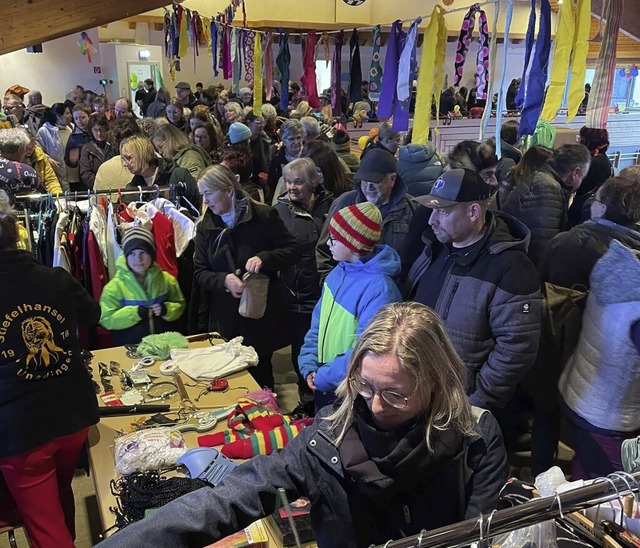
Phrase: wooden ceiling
[56,18]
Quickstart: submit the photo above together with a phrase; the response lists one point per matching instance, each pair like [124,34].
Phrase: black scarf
[387,463]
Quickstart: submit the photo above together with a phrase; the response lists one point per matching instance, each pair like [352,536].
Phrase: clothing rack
[537,510]
[177,189]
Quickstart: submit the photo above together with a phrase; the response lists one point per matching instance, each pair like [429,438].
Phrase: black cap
[183,85]
[375,166]
[457,186]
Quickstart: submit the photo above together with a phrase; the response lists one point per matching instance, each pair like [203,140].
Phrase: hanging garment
[283,62]
[227,67]
[538,75]
[355,68]
[236,59]
[482,60]
[257,72]
[389,104]
[375,69]
[336,76]
[98,225]
[519,100]
[248,48]
[560,65]
[267,66]
[308,79]
[184,228]
[431,75]
[214,47]
[60,229]
[602,88]
[579,63]
[113,249]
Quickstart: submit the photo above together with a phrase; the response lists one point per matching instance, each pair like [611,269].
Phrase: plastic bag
[215,361]
[541,535]
[253,302]
[152,449]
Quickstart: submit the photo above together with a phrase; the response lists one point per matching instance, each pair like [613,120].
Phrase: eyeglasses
[8,108]
[126,158]
[388,396]
[331,240]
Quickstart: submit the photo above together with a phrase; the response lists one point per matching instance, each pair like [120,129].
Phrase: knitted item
[238,132]
[264,443]
[357,226]
[138,238]
[464,40]
[355,68]
[160,346]
[375,69]
[249,415]
[336,75]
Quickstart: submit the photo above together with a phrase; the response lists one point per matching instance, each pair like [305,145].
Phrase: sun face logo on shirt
[38,338]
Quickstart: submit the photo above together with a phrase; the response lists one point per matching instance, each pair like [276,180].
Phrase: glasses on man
[390,397]
[9,108]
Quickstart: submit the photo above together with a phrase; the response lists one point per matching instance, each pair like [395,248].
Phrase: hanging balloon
[634,71]
[354,2]
[622,72]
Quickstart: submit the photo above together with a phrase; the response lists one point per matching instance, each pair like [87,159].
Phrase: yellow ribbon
[580,51]
[431,74]
[257,73]
[560,64]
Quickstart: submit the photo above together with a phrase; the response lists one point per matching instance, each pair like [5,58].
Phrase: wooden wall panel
[28,22]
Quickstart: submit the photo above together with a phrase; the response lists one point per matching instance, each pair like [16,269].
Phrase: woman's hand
[234,284]
[310,381]
[54,164]
[254,264]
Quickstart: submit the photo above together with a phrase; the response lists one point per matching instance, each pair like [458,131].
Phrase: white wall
[55,71]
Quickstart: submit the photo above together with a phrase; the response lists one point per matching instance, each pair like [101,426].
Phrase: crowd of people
[413,287]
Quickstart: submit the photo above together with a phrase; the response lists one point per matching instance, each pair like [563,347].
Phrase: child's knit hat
[341,142]
[357,226]
[138,238]
[238,132]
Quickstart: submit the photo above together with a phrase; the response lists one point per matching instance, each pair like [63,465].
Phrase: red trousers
[40,483]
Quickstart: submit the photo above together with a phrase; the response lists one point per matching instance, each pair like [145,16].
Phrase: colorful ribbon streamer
[283,62]
[375,69]
[431,75]
[579,64]
[355,68]
[482,60]
[257,72]
[602,88]
[267,66]
[308,79]
[336,73]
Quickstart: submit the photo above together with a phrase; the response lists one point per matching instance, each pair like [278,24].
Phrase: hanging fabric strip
[308,78]
[464,40]
[431,73]
[579,64]
[236,42]
[493,84]
[560,63]
[355,68]
[227,67]
[501,88]
[407,58]
[184,35]
[375,70]
[206,33]
[214,47]
[283,62]
[249,47]
[388,92]
[257,72]
[519,100]
[244,14]
[268,65]
[175,32]
[538,75]
[325,44]
[336,73]
[602,87]
[166,27]
[189,25]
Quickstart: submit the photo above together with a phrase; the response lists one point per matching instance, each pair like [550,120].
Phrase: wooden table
[239,383]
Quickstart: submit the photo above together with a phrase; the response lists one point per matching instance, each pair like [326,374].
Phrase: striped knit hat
[138,237]
[357,226]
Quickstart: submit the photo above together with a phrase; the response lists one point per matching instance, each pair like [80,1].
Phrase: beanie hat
[341,141]
[245,90]
[138,238]
[238,132]
[357,226]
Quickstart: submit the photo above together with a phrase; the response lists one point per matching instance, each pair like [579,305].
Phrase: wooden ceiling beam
[29,22]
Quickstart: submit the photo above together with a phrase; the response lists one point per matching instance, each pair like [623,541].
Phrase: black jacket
[45,389]
[169,173]
[219,251]
[91,158]
[571,256]
[302,281]
[462,480]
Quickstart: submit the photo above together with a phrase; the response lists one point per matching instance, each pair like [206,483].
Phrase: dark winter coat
[302,281]
[419,166]
[541,204]
[219,251]
[45,389]
[462,480]
[91,158]
[571,256]
[490,305]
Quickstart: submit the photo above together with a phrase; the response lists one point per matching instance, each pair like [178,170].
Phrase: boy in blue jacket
[352,293]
